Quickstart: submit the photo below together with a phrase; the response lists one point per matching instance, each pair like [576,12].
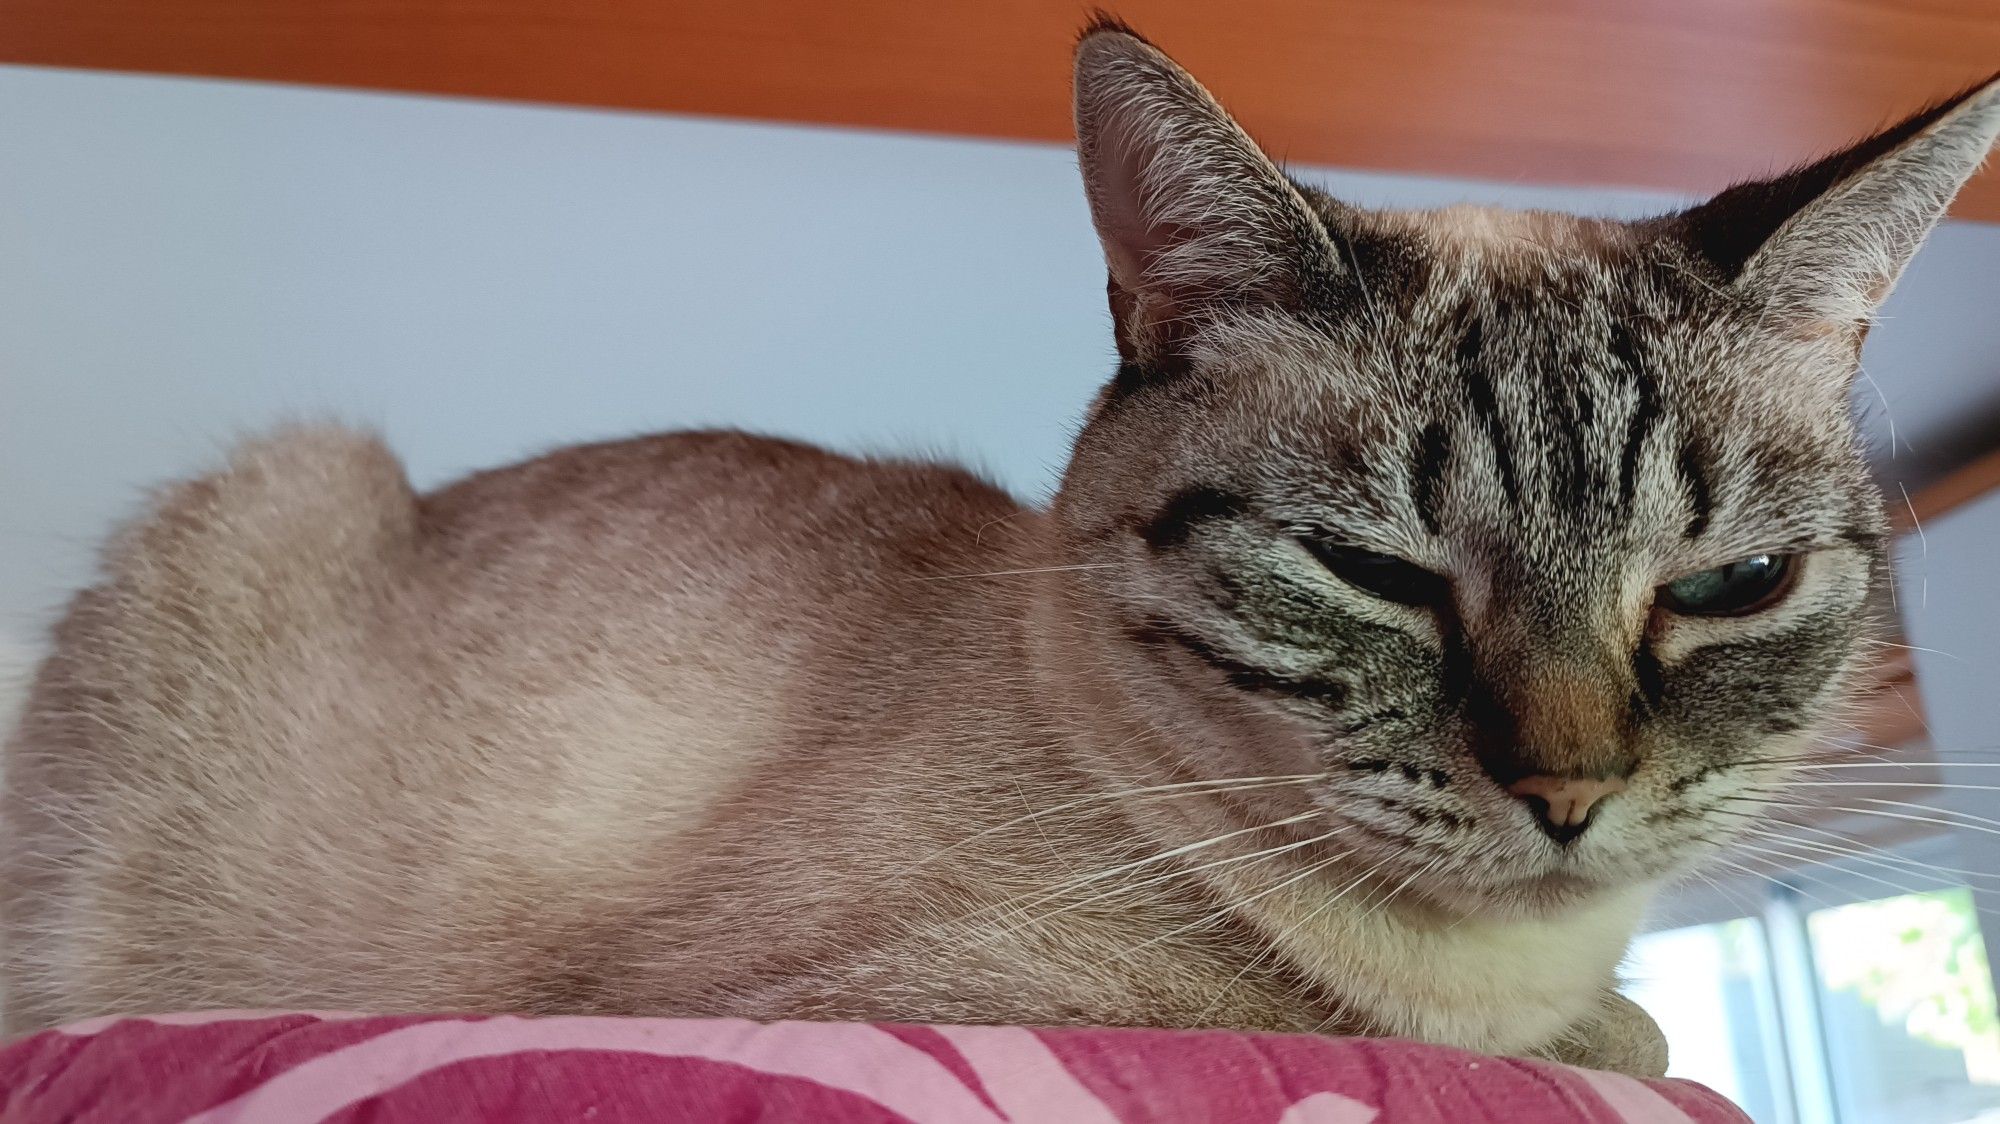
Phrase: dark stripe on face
[1701,505]
[1189,508]
[1645,414]
[1736,687]
[1863,538]
[1128,380]
[1622,348]
[1651,680]
[1433,452]
[1479,392]
[1159,635]
[1579,483]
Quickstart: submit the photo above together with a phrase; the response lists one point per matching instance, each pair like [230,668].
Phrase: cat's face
[1443,549]
[1537,540]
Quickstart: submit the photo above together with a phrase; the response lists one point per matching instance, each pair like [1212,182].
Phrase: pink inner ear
[1187,207]
[1117,172]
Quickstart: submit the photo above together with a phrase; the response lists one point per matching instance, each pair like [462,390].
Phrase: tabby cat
[1425,591]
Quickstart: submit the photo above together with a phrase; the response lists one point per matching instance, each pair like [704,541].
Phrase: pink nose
[1563,804]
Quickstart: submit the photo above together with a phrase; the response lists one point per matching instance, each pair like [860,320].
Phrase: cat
[1426,589]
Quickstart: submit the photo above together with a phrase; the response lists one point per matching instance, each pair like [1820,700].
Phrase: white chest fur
[1497,986]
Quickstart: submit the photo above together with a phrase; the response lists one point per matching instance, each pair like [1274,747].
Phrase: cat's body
[1425,590]
[491,762]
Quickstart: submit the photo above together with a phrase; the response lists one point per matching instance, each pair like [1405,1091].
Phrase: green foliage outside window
[1918,960]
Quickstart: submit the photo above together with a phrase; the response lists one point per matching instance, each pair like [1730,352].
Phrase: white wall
[1949,589]
[184,260]
[181,261]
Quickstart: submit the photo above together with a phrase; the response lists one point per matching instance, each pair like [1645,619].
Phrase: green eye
[1735,590]
[1381,575]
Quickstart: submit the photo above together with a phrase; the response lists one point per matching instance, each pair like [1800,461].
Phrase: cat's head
[1542,538]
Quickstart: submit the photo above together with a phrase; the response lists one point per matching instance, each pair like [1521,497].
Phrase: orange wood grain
[1676,94]
[1890,710]
[1957,488]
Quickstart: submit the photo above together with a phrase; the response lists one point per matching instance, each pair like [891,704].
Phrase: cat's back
[305,701]
[720,532]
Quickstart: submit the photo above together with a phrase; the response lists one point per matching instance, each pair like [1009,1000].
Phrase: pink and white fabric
[241,1067]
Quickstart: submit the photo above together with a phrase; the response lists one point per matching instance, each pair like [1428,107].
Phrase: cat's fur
[711,724]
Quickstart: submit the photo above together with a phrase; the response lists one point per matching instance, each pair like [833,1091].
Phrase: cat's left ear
[1822,246]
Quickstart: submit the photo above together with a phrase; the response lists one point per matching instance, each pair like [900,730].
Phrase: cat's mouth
[1500,858]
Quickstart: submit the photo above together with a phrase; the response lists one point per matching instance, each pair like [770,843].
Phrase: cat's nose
[1563,805]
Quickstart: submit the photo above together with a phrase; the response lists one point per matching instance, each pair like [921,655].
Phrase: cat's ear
[1821,247]
[1193,216]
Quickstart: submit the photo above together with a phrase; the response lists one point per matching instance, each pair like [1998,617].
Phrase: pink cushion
[294,1067]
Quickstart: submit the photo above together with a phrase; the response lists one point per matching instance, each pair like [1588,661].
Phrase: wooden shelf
[1958,487]
[1685,95]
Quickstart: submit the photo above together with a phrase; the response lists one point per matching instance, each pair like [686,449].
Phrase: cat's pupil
[1730,590]
[1382,575]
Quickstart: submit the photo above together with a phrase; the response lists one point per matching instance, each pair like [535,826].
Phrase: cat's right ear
[1821,246]
[1193,216]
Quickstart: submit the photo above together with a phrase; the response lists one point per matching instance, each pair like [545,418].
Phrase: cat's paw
[1618,1036]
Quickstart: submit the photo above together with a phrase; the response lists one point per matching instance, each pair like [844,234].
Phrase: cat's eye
[1737,589]
[1380,575]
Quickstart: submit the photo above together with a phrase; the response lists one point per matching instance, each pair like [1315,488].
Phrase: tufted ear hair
[1193,216]
[1822,246]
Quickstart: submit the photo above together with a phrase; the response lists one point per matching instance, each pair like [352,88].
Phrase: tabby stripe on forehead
[1645,414]
[1160,635]
[1701,504]
[1579,480]
[1433,451]
[1479,392]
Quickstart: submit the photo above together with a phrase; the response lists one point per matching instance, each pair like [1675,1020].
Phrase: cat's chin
[1539,895]
[1557,889]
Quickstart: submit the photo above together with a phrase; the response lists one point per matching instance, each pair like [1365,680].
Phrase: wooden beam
[1889,710]
[1956,489]
[1685,95]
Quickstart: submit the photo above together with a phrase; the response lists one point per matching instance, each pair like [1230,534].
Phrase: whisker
[1149,792]
[1942,763]
[1982,824]
[1896,784]
[1856,849]
[1911,648]
[1272,946]
[1752,872]
[1796,759]
[1255,856]
[1018,573]
[1992,826]
[1816,853]
[1901,888]
[1366,906]
[1908,706]
[1772,853]
[1923,541]
[1733,893]
[1372,903]
[1881,399]
[1232,907]
[1170,853]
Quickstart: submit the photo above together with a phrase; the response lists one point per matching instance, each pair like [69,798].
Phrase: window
[1710,989]
[1870,1011]
[1906,1002]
